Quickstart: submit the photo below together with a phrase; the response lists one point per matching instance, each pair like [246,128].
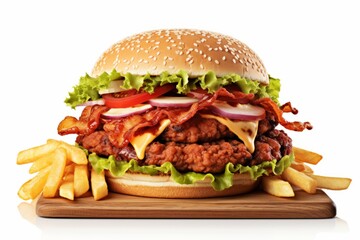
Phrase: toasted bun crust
[163,187]
[194,51]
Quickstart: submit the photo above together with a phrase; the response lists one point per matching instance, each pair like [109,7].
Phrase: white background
[312,46]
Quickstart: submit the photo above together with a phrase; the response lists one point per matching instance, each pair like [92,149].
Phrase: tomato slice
[132,97]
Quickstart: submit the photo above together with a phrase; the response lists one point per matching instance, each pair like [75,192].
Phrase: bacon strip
[123,130]
[272,107]
[88,122]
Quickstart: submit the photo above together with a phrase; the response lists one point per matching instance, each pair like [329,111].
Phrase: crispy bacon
[121,131]
[88,122]
[288,108]
[272,107]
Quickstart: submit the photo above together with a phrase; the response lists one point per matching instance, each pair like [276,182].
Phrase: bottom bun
[163,187]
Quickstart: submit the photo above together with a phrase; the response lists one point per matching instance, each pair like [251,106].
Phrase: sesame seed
[217,62]
[201,66]
[168,47]
[209,59]
[234,61]
[223,58]
[140,60]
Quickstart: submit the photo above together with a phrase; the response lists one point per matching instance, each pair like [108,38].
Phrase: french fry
[56,173]
[31,154]
[299,179]
[333,183]
[69,168]
[32,188]
[66,189]
[98,185]
[75,154]
[42,162]
[298,166]
[308,170]
[277,187]
[81,180]
[302,155]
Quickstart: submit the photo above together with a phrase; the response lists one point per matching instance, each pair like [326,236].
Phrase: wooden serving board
[253,205]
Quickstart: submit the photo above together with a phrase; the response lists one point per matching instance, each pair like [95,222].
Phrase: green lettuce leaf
[218,181]
[88,87]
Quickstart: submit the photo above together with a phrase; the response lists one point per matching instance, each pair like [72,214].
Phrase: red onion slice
[116,113]
[169,101]
[245,112]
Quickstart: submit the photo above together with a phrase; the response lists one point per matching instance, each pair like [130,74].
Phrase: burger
[180,113]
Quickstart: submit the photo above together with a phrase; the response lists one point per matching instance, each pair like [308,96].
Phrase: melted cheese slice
[245,130]
[140,142]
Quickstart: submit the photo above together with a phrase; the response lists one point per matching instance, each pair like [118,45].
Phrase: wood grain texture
[253,205]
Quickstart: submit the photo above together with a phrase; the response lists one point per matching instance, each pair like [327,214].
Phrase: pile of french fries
[62,170]
[299,174]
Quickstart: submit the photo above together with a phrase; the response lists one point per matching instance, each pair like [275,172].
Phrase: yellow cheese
[245,130]
[140,142]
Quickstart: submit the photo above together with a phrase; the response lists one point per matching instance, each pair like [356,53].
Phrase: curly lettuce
[218,181]
[88,87]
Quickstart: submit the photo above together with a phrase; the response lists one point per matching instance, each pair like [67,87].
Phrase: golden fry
[298,166]
[69,168]
[302,155]
[32,188]
[42,162]
[333,183]
[56,173]
[299,179]
[98,185]
[31,154]
[308,170]
[75,154]
[66,189]
[81,180]
[277,187]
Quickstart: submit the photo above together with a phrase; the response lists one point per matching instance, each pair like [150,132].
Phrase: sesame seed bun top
[194,51]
